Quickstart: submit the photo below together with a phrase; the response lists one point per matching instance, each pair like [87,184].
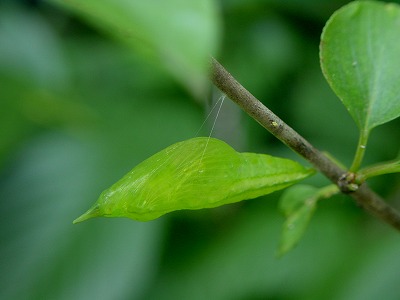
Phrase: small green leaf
[177,34]
[298,204]
[360,58]
[293,199]
[194,174]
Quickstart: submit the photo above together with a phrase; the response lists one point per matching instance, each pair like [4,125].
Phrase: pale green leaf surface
[178,34]
[360,58]
[194,174]
[298,204]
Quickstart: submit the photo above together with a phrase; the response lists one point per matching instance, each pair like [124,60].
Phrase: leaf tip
[91,213]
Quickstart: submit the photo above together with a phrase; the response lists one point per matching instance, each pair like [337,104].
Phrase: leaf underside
[194,174]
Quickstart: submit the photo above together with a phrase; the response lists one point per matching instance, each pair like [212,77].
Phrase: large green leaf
[360,58]
[178,34]
[194,174]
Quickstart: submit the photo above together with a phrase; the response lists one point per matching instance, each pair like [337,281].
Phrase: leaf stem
[362,145]
[328,191]
[364,196]
[379,169]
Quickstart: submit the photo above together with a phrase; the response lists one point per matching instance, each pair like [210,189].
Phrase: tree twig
[362,194]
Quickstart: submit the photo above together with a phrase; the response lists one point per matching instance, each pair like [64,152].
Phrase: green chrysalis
[194,174]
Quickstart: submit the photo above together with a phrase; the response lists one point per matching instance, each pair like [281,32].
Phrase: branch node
[347,183]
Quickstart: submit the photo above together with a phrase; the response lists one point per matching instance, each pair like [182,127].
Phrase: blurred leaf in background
[176,34]
[79,109]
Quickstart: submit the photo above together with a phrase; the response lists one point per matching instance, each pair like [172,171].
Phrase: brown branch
[266,118]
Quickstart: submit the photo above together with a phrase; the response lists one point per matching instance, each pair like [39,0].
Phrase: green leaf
[293,199]
[194,174]
[360,58]
[178,34]
[298,204]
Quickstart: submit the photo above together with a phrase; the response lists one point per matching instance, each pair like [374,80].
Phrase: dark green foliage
[79,109]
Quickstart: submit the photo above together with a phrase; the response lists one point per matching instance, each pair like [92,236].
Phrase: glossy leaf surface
[360,58]
[194,174]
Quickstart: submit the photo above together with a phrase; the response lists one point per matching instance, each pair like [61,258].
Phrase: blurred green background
[79,110]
